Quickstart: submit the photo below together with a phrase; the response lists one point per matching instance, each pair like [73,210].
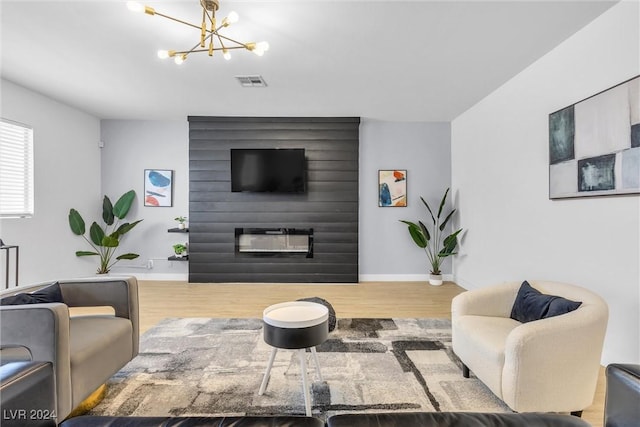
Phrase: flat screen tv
[276,170]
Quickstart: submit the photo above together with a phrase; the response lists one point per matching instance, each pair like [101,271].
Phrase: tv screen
[268,170]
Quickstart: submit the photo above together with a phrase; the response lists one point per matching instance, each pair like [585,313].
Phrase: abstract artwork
[392,188]
[158,187]
[594,144]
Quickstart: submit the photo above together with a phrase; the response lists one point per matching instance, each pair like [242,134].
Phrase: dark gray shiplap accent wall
[329,206]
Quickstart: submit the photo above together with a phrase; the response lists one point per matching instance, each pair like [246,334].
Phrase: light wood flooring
[161,299]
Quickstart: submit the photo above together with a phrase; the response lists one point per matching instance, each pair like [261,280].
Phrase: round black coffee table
[295,325]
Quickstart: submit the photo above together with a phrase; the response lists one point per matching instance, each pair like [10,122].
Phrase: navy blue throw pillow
[531,304]
[51,293]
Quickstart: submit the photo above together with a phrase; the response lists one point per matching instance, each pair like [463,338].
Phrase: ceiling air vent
[251,81]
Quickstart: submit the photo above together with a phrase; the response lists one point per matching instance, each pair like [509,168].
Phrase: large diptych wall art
[594,145]
[392,188]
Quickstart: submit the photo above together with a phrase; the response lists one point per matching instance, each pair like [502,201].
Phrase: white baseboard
[464,283]
[399,277]
[361,277]
[183,277]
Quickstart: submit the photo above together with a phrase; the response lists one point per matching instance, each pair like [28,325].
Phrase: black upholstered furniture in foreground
[457,419]
[266,421]
[28,394]
[28,386]
[622,404]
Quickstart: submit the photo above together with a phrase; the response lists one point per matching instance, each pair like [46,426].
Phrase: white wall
[130,147]
[424,150]
[500,175]
[67,175]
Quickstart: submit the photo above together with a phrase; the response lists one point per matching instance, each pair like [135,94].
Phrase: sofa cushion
[99,346]
[445,419]
[531,304]
[480,341]
[48,294]
[248,421]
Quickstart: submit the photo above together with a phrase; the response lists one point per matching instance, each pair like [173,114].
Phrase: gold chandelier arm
[220,40]
[220,37]
[211,18]
[193,49]
[187,52]
[203,27]
[178,20]
[242,45]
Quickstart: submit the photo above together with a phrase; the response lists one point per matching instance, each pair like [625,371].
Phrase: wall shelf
[174,257]
[178,230]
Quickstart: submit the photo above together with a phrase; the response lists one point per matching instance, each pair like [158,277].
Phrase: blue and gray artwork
[597,173]
[635,135]
[158,188]
[385,195]
[561,135]
[631,168]
[158,180]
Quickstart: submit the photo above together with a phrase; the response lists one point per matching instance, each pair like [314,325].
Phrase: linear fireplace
[274,242]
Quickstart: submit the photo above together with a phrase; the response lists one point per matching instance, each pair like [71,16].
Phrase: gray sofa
[84,351]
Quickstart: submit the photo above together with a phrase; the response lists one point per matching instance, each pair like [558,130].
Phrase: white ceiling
[387,60]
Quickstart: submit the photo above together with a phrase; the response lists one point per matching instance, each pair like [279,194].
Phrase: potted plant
[180,249]
[432,240]
[105,239]
[181,222]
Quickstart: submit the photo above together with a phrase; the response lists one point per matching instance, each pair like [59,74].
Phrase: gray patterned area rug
[203,366]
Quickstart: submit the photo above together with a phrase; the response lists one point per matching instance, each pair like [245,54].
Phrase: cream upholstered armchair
[546,365]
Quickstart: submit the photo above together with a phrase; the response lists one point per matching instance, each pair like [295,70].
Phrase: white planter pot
[182,226]
[435,279]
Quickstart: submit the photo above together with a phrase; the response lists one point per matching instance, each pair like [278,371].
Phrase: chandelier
[210,38]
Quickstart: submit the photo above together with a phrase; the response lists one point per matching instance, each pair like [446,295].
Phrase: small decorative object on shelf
[180,250]
[181,222]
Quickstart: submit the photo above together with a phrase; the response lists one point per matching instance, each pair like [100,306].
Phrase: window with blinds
[16,170]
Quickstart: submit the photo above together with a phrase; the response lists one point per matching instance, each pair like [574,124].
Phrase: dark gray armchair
[85,350]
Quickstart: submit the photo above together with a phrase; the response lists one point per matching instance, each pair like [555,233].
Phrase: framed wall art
[392,188]
[594,144]
[158,187]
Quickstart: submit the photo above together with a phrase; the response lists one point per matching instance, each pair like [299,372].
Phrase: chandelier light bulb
[134,6]
[226,55]
[233,17]
[261,48]
[179,59]
[163,54]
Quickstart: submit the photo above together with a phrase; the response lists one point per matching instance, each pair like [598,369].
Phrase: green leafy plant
[181,219]
[436,246]
[106,238]
[179,248]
